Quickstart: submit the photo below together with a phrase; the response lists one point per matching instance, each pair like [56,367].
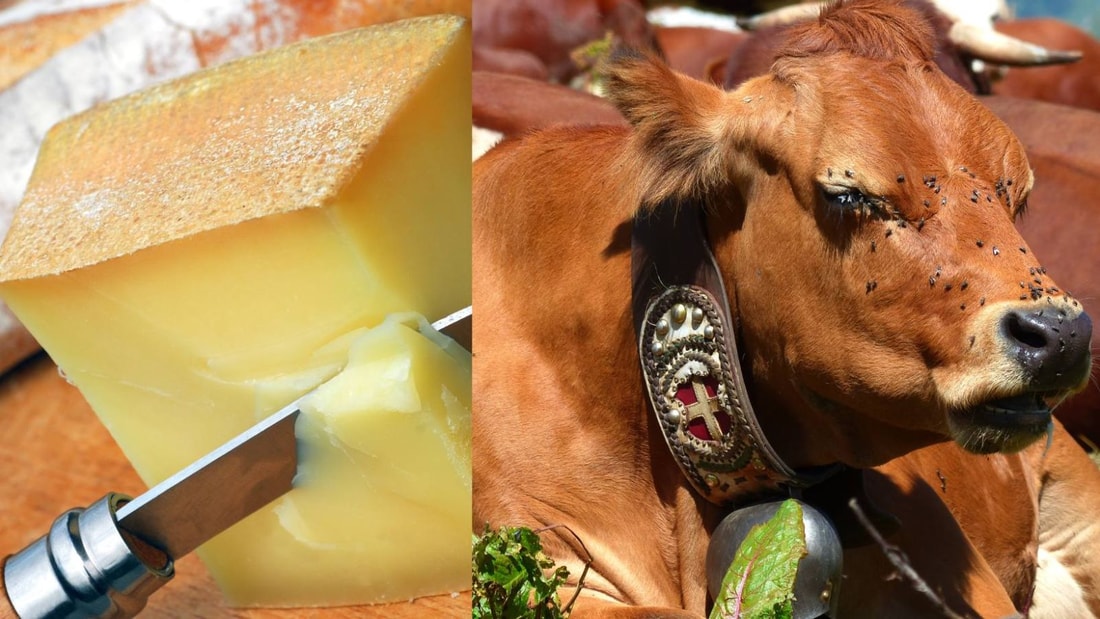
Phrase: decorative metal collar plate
[689,379]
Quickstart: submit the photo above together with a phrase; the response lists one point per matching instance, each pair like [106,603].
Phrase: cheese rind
[191,289]
[244,140]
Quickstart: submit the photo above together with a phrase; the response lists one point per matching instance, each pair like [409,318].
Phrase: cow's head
[862,208]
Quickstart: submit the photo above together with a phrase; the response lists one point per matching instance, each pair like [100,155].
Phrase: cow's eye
[1021,209]
[844,198]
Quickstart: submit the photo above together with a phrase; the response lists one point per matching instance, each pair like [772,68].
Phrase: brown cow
[1076,84]
[1060,144]
[1063,146]
[856,306]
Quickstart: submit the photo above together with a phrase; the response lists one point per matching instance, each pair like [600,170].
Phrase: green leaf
[513,578]
[760,582]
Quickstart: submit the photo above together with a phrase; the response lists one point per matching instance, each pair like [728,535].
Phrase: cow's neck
[687,344]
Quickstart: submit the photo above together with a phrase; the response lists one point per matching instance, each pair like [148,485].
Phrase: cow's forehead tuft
[880,30]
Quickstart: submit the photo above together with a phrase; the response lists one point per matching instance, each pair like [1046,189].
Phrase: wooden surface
[55,455]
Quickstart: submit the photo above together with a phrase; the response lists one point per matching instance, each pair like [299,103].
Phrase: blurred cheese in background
[198,254]
[28,39]
[60,57]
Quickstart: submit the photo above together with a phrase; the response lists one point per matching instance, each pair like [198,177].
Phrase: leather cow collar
[688,349]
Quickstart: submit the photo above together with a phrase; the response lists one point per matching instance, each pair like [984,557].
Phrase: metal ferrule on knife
[84,567]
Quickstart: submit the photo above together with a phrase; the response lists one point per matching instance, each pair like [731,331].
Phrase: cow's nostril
[1027,332]
[1050,345]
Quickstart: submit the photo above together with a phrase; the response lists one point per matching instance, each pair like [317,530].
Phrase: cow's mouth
[1002,425]
[1020,411]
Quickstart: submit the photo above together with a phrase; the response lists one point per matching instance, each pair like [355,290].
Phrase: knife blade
[220,489]
[104,561]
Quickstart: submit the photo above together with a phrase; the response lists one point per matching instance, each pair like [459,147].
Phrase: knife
[106,560]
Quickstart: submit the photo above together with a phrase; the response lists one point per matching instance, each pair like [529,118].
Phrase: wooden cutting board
[55,455]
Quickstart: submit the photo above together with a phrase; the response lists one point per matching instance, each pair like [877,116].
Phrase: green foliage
[590,59]
[760,582]
[513,578]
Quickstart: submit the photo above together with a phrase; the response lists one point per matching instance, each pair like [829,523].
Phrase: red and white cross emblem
[705,419]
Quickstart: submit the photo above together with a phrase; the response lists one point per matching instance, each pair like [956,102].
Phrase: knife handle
[85,567]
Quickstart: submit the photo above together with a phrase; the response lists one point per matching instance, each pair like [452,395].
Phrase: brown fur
[562,432]
[865,28]
[930,40]
[683,146]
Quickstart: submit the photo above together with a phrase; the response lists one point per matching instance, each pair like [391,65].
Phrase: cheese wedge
[189,253]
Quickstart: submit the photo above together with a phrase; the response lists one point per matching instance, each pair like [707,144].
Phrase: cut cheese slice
[381,505]
[196,255]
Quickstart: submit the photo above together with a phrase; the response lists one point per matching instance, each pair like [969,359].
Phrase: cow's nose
[1051,346]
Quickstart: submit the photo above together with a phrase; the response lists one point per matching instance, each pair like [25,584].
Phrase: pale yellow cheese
[382,497]
[197,255]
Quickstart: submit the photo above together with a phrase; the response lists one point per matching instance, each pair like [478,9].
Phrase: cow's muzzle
[1051,346]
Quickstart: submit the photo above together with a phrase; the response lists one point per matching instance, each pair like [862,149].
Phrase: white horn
[783,16]
[996,48]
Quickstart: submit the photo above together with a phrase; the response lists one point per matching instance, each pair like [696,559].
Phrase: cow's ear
[688,136]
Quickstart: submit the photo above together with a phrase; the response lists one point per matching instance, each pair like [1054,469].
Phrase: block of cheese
[187,253]
[58,58]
